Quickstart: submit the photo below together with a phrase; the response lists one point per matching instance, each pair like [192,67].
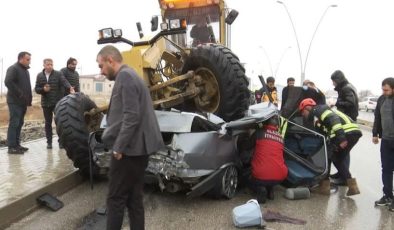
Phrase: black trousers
[126,184]
[387,158]
[17,118]
[340,156]
[48,116]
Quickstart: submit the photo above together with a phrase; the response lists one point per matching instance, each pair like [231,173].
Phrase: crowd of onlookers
[337,122]
[51,84]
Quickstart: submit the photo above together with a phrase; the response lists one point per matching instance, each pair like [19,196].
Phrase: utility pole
[303,64]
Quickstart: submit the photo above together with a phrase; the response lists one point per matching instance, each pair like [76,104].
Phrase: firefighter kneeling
[268,165]
[343,133]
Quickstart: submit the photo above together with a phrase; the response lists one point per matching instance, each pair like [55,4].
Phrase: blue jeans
[387,158]
[17,116]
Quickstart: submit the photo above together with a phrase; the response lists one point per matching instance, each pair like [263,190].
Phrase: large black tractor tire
[232,99]
[72,130]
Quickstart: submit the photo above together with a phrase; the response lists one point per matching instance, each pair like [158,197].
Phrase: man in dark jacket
[49,84]
[19,96]
[343,133]
[383,127]
[285,91]
[71,75]
[133,134]
[200,32]
[347,103]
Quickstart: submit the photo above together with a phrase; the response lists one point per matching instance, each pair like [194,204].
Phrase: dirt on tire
[229,74]
[72,129]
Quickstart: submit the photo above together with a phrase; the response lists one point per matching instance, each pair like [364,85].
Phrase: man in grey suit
[133,133]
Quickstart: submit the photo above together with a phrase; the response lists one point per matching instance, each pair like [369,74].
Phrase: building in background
[95,85]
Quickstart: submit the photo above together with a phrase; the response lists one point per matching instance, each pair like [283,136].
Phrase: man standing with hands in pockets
[133,133]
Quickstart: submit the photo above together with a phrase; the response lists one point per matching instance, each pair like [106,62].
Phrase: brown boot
[353,188]
[323,188]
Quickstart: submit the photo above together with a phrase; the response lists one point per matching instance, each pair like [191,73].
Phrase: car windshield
[197,24]
[374,99]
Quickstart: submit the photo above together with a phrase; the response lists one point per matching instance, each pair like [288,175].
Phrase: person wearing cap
[343,134]
[272,90]
[347,103]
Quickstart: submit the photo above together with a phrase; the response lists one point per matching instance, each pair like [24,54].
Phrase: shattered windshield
[198,19]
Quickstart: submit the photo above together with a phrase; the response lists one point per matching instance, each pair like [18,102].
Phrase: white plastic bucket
[248,215]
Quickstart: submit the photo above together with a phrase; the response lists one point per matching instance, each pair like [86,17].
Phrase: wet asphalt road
[366,116]
[174,211]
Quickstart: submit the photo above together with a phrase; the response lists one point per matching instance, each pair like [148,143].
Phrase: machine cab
[208,21]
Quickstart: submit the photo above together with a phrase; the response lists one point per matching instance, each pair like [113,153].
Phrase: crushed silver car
[205,154]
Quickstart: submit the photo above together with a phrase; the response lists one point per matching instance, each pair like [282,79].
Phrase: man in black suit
[133,133]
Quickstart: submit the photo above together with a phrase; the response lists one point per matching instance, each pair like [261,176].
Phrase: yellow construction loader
[187,65]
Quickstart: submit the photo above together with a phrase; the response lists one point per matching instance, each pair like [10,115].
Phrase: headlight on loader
[178,24]
[175,24]
[110,33]
[106,33]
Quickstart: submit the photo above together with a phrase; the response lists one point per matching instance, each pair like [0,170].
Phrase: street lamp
[268,58]
[313,36]
[280,60]
[296,37]
[303,66]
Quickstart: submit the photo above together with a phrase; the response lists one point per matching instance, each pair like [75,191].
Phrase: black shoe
[261,195]
[15,151]
[335,176]
[384,201]
[49,146]
[24,149]
[270,193]
[391,206]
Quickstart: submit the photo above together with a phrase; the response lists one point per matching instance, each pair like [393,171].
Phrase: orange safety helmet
[306,102]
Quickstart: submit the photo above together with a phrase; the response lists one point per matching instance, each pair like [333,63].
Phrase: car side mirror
[231,17]
[154,23]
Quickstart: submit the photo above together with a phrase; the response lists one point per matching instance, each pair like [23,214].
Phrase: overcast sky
[356,37]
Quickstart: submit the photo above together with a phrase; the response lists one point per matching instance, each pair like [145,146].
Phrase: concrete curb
[27,204]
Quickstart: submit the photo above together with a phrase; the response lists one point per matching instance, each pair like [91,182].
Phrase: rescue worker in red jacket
[343,134]
[268,165]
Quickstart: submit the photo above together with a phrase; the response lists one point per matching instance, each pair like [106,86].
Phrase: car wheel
[227,185]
